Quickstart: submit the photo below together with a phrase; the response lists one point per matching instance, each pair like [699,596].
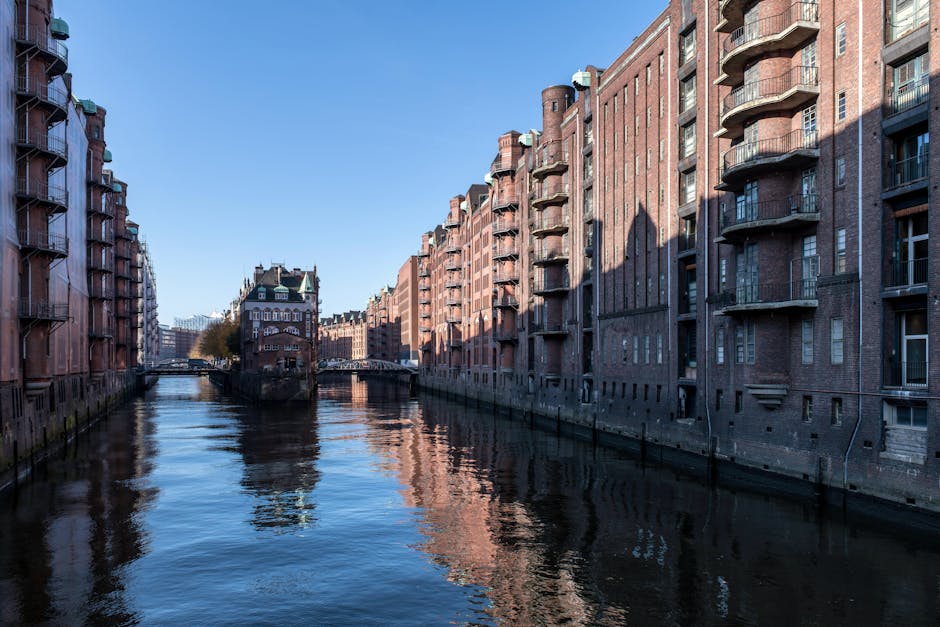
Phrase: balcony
[505,203]
[506,302]
[545,256]
[37,39]
[34,92]
[686,243]
[426,328]
[551,286]
[424,253]
[97,264]
[548,328]
[505,278]
[453,302]
[453,265]
[41,311]
[452,282]
[423,272]
[793,212]
[786,92]
[907,96]
[794,149]
[105,238]
[424,301]
[904,374]
[501,167]
[32,142]
[504,226]
[552,197]
[730,14]
[425,315]
[910,171]
[54,197]
[505,251]
[453,319]
[906,273]
[509,336]
[799,294]
[451,223]
[96,291]
[100,330]
[551,158]
[910,20]
[424,287]
[783,31]
[548,225]
[53,245]
[98,205]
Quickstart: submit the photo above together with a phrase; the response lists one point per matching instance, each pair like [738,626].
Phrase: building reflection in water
[279,447]
[559,531]
[63,546]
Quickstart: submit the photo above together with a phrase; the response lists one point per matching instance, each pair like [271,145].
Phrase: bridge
[179,372]
[364,366]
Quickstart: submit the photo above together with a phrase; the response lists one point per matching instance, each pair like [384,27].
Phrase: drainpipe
[705,238]
[858,419]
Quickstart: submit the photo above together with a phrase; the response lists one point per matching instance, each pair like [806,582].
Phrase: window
[840,172]
[841,39]
[687,188]
[280,295]
[687,47]
[739,344]
[262,295]
[687,94]
[662,64]
[266,315]
[659,347]
[835,417]
[906,15]
[738,401]
[750,335]
[646,349]
[687,145]
[636,85]
[906,415]
[719,346]
[649,74]
[836,340]
[807,342]
[718,394]
[807,409]
[840,106]
[662,106]
[909,82]
[840,262]
[723,273]
[636,349]
[624,343]
[662,148]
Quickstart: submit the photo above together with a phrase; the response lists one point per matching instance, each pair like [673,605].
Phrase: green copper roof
[107,156]
[281,289]
[59,28]
[132,229]
[89,107]
[117,187]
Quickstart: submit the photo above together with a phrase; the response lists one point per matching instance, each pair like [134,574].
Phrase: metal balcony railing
[501,165]
[505,226]
[506,277]
[546,255]
[907,171]
[41,190]
[43,310]
[751,212]
[547,222]
[101,265]
[686,242]
[908,95]
[505,250]
[769,293]
[548,327]
[42,89]
[543,284]
[768,26]
[917,15]
[750,152]
[41,140]
[504,202]
[906,374]
[38,36]
[551,154]
[806,77]
[906,272]
[451,223]
[507,302]
[43,240]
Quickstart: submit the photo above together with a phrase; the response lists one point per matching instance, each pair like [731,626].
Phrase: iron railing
[508,302]
[772,25]
[38,35]
[543,255]
[907,171]
[768,293]
[748,152]
[41,190]
[543,284]
[908,95]
[42,141]
[757,211]
[545,222]
[801,76]
[505,226]
[903,272]
[45,91]
[43,310]
[43,240]
[905,373]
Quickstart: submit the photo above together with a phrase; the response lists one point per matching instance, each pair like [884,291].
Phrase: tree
[221,339]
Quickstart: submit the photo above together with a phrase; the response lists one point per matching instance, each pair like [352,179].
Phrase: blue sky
[327,133]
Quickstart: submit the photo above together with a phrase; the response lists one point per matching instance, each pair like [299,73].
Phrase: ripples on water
[375,508]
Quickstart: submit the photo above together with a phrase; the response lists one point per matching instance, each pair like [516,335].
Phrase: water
[378,509]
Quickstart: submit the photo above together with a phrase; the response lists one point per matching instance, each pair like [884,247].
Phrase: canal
[373,508]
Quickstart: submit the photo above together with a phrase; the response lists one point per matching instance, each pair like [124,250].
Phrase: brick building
[343,336]
[719,243]
[69,269]
[278,313]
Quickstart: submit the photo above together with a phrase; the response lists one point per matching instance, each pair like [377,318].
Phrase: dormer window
[280,296]
[262,295]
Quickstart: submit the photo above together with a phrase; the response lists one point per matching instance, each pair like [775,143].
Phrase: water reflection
[62,548]
[378,508]
[279,449]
